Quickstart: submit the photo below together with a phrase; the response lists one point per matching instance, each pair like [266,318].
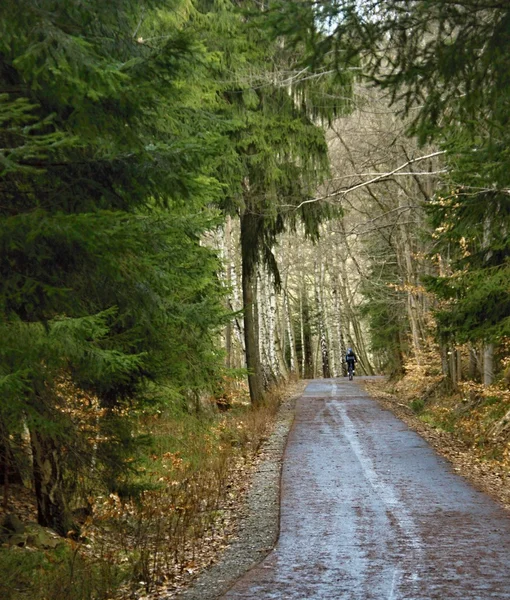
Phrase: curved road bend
[370,512]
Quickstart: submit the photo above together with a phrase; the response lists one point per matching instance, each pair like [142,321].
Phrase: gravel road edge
[259,522]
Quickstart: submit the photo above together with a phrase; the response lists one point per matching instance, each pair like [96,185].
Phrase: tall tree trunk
[488,364]
[452,357]
[458,354]
[327,311]
[405,260]
[326,372]
[280,338]
[272,326]
[262,330]
[228,276]
[237,305]
[52,510]
[302,332]
[290,333]
[342,350]
[307,337]
[473,363]
[359,345]
[248,277]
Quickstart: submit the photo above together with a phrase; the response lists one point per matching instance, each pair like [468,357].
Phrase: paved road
[370,512]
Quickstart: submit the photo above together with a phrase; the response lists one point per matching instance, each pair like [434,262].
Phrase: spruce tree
[275,130]
[104,194]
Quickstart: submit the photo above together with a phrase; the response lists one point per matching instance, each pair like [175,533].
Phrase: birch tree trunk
[273,345]
[473,363]
[228,276]
[237,305]
[307,349]
[324,350]
[302,331]
[339,330]
[326,313]
[290,333]
[262,311]
[404,256]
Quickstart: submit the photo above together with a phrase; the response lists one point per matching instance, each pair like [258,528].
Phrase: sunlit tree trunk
[488,364]
[473,363]
[406,267]
[228,276]
[273,342]
[290,333]
[324,350]
[302,332]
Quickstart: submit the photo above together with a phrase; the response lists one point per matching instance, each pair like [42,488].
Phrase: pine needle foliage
[274,109]
[107,167]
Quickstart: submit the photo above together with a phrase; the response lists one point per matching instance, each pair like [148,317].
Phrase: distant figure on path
[351,360]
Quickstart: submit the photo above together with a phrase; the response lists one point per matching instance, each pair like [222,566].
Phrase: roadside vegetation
[201,200]
[172,516]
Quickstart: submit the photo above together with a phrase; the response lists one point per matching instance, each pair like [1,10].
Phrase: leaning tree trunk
[405,260]
[248,278]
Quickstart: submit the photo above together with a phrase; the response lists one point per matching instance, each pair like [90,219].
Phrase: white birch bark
[302,326]
[290,332]
[339,328]
[272,324]
[328,330]
[261,325]
[324,351]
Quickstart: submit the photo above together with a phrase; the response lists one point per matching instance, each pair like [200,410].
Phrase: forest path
[370,512]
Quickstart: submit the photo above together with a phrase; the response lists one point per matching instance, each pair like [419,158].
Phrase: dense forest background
[195,193]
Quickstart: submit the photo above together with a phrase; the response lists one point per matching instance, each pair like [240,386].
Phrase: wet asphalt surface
[370,512]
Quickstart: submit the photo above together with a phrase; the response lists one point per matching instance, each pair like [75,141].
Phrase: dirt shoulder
[487,476]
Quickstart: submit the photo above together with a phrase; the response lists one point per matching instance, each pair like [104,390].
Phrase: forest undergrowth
[192,477]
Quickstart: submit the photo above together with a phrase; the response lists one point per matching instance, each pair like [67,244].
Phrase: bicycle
[350,371]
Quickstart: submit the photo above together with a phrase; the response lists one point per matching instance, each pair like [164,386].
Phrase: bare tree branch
[380,177]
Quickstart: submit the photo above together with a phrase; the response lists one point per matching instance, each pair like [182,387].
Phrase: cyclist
[350,359]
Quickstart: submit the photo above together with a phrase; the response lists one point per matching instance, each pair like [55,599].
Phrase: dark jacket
[350,357]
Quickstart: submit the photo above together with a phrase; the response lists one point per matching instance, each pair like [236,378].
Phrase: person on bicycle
[350,359]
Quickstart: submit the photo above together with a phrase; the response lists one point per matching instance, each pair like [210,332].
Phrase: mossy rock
[33,536]
[9,526]
[42,537]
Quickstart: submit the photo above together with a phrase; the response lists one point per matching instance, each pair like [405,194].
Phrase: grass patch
[417,406]
[30,574]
